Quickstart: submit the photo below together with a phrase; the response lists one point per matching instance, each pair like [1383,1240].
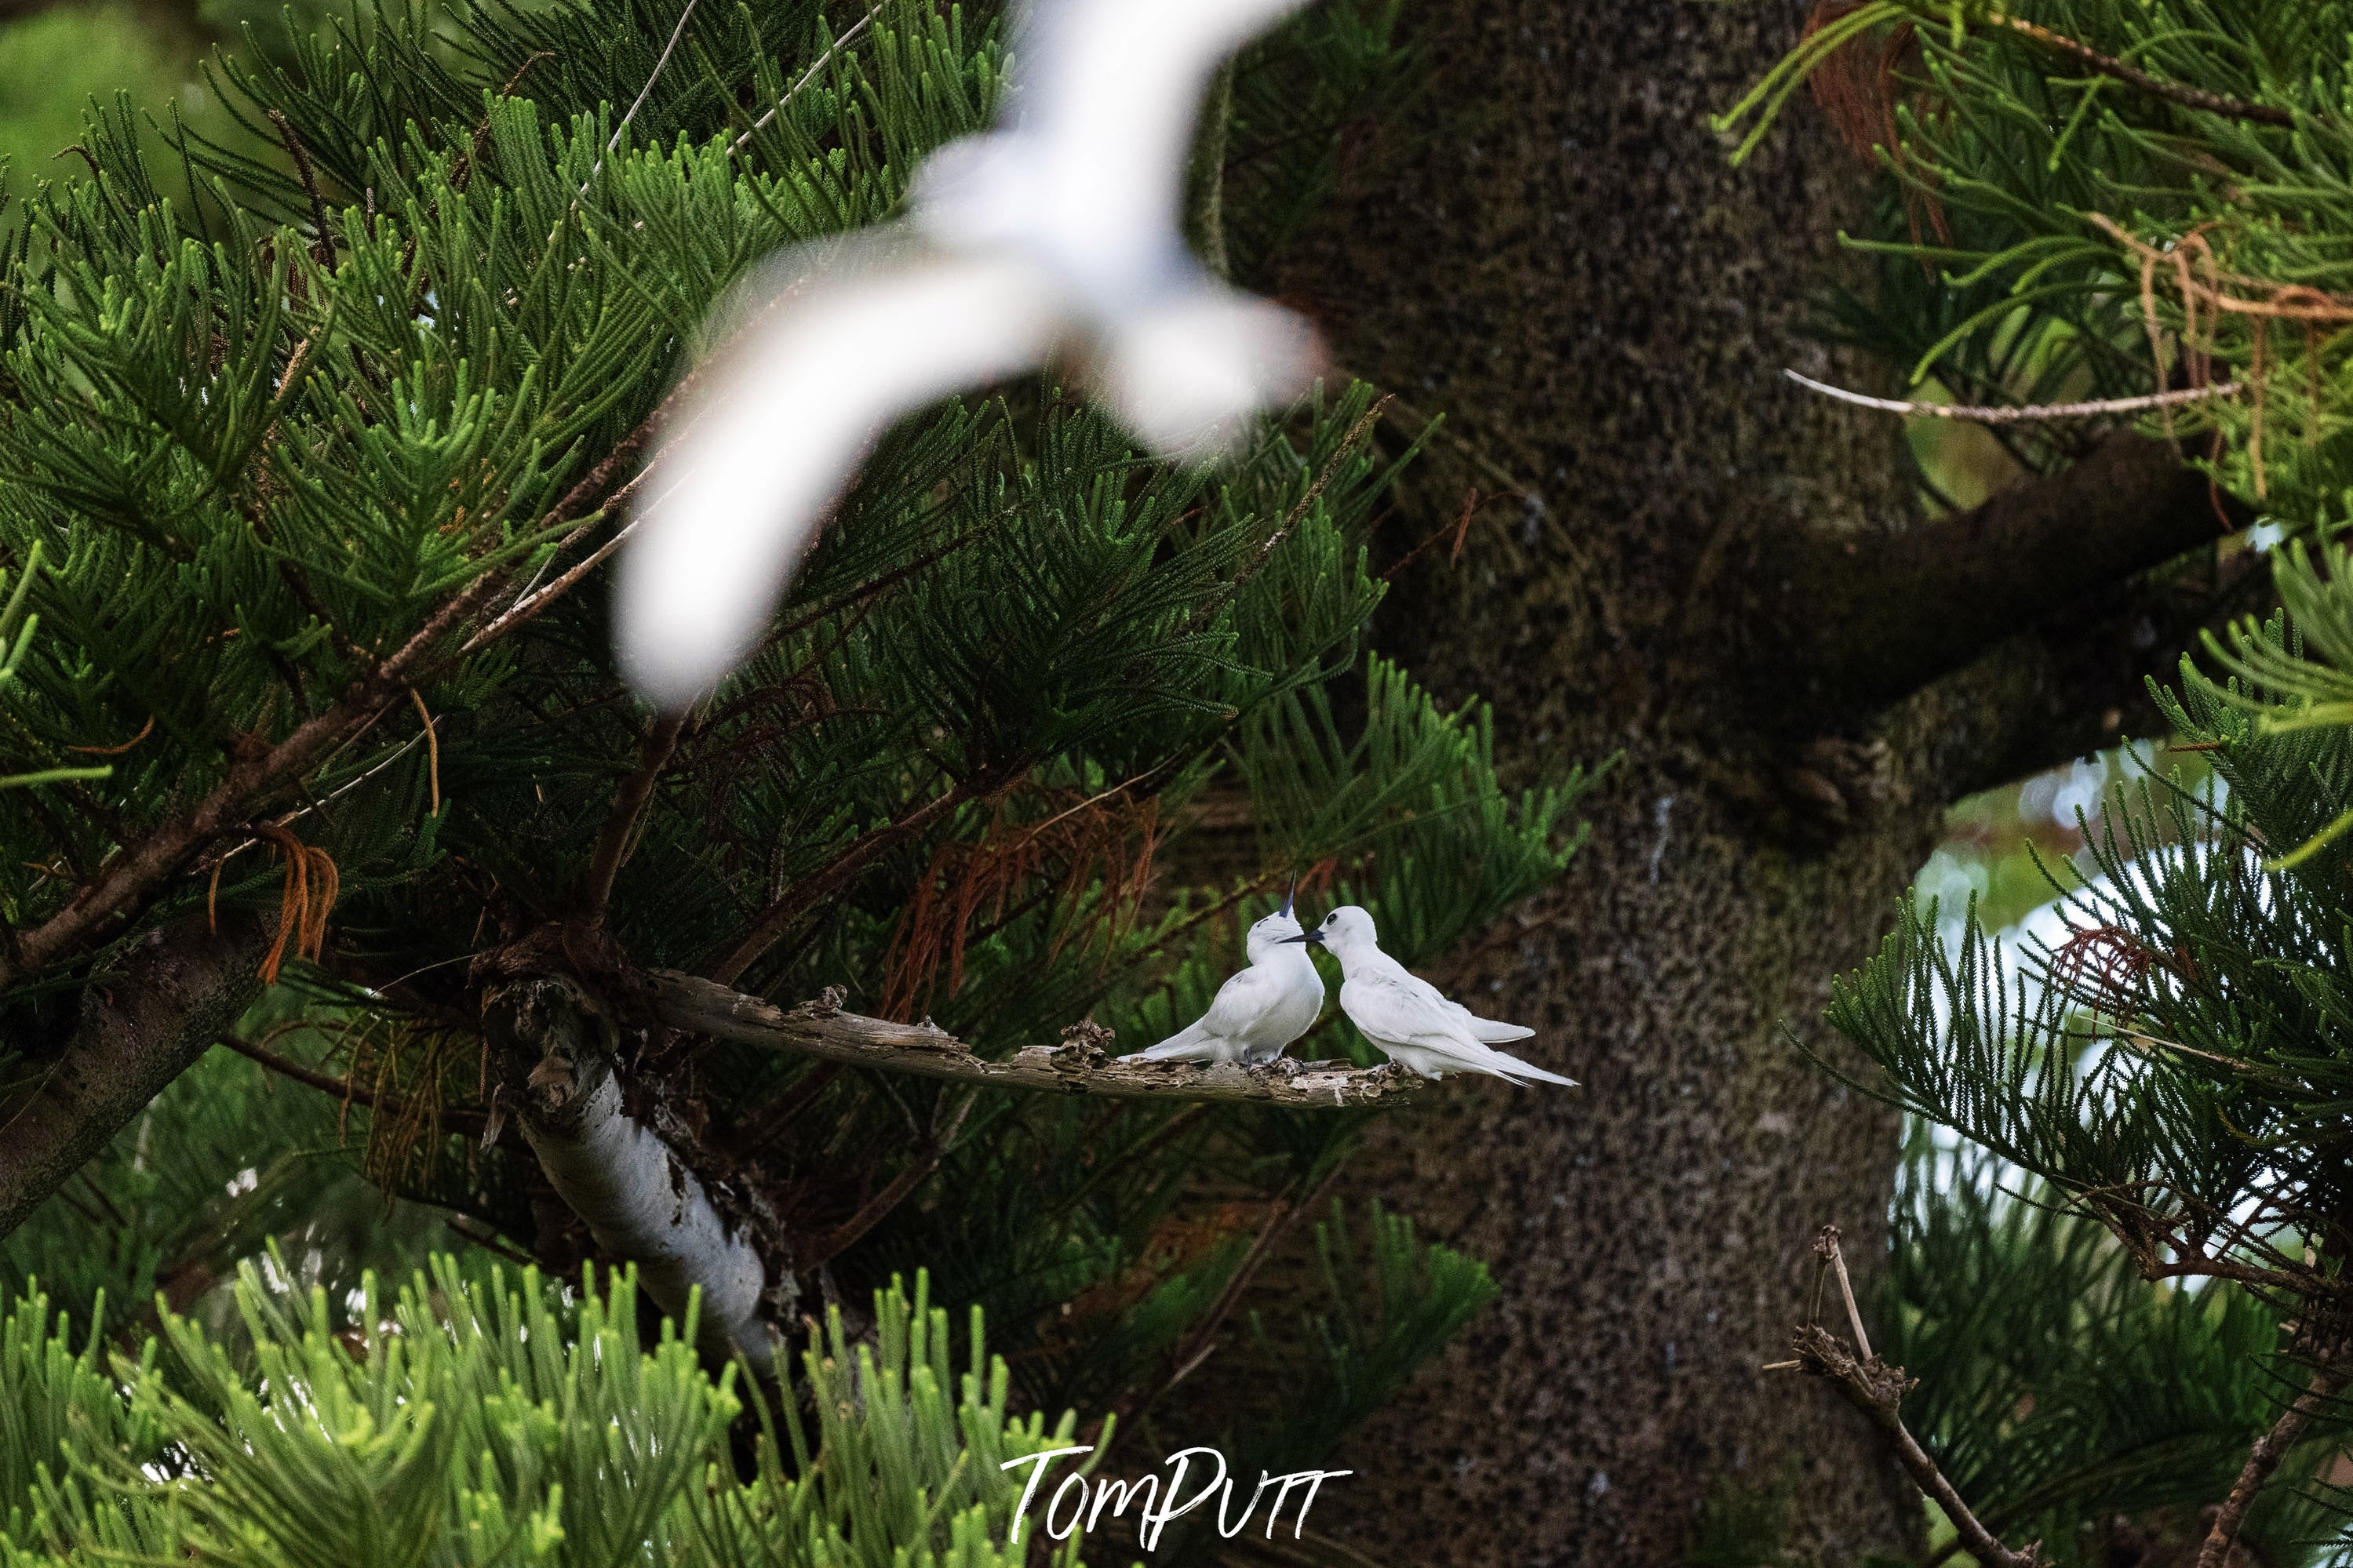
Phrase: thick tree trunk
[1556,255]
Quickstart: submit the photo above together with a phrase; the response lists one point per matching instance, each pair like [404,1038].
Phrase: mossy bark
[1553,251]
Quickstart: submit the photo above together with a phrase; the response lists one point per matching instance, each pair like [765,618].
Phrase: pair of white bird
[1277,999]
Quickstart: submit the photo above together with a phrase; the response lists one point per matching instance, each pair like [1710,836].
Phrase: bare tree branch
[2099,408]
[2133,75]
[1876,1389]
[1880,613]
[180,988]
[702,1007]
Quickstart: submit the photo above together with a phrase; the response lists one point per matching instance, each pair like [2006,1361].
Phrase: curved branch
[1880,614]
[702,1007]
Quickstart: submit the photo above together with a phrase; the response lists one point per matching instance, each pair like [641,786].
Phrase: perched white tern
[1406,1016]
[1262,1009]
[1056,232]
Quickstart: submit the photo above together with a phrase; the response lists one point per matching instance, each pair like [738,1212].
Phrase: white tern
[1406,1016]
[1262,1009]
[1056,232]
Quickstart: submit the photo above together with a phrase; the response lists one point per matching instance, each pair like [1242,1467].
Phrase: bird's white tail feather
[1189,1044]
[1496,1033]
[1505,1065]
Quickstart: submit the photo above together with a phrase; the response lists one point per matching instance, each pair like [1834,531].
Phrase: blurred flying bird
[1262,1009]
[1056,232]
[1405,1015]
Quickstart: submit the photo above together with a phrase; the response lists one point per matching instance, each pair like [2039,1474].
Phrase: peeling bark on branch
[1878,615]
[637,1196]
[141,1025]
[700,1006]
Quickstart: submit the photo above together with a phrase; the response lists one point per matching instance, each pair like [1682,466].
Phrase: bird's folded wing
[764,447]
[1400,1007]
[1241,1002]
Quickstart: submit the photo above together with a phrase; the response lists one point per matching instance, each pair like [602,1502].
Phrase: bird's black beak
[1315,936]
[1287,893]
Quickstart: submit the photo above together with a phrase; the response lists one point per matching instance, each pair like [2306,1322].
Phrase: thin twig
[2269,1450]
[2095,409]
[482,1235]
[144,731]
[1875,1388]
[639,102]
[1827,1247]
[2134,77]
[621,830]
[811,75]
[383,1105]
[636,103]
[525,608]
[294,150]
[432,749]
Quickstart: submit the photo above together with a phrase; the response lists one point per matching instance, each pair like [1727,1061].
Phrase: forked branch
[1877,1389]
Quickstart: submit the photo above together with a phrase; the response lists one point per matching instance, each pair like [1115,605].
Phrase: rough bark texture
[1553,252]
[142,1023]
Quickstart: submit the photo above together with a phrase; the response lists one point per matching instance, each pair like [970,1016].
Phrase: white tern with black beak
[1056,232]
[1406,1016]
[1262,1009]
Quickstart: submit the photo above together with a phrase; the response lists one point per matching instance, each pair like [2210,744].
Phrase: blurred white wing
[1108,92]
[774,436]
